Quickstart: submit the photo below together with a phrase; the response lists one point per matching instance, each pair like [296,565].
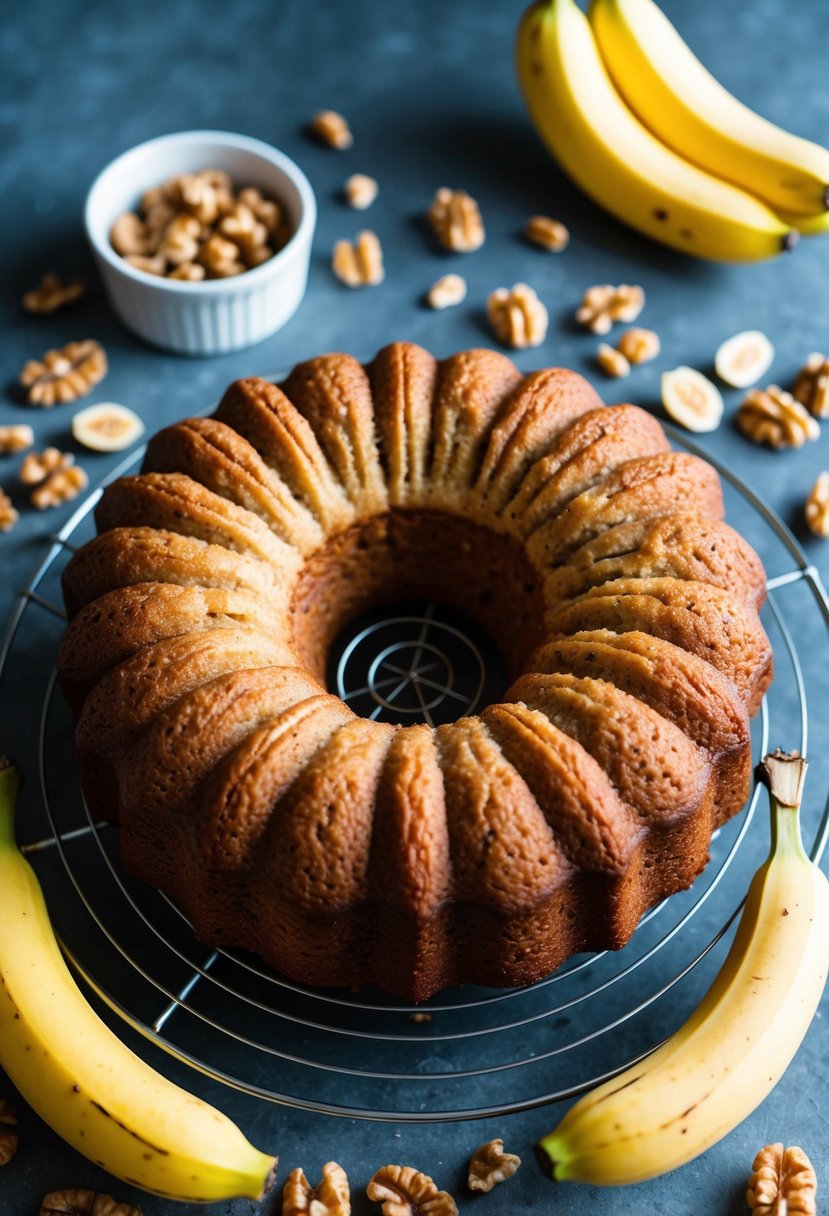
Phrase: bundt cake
[348,851]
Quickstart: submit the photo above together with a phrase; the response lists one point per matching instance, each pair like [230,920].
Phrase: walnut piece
[456,220]
[59,487]
[15,438]
[152,265]
[449,290]
[8,515]
[53,294]
[331,129]
[72,1202]
[781,1182]
[64,375]
[817,506]
[360,264]
[220,257]
[360,191]
[332,1197]
[547,233]
[811,388]
[639,345]
[128,235]
[604,304]
[8,1115]
[490,1165]
[517,316]
[38,465]
[420,1017]
[188,272]
[404,1191]
[772,416]
[266,210]
[611,361]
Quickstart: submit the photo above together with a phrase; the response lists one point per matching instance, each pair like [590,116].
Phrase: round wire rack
[469,1052]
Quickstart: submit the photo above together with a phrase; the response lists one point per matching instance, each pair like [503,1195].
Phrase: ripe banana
[727,1057]
[617,161]
[82,1080]
[678,99]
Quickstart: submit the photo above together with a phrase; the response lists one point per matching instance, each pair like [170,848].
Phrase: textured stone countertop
[430,93]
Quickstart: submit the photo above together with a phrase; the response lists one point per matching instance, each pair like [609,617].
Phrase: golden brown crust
[402,378]
[125,556]
[216,456]
[679,545]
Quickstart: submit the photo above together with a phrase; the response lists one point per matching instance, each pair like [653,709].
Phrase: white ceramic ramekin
[220,315]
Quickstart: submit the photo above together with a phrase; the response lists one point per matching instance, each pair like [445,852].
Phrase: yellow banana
[79,1076]
[678,99]
[807,225]
[727,1057]
[617,161]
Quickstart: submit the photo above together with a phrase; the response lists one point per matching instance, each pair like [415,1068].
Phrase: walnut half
[73,1202]
[8,1115]
[772,416]
[66,374]
[332,1197]
[782,1180]
[490,1165]
[404,1191]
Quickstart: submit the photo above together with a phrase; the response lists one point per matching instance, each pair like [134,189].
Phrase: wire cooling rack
[469,1052]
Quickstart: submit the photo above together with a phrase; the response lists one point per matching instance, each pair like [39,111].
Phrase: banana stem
[784,773]
[10,782]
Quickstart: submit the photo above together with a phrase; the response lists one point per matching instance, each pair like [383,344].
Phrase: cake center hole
[415,662]
[417,616]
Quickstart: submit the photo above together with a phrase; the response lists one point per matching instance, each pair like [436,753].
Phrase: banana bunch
[82,1080]
[641,126]
[728,1056]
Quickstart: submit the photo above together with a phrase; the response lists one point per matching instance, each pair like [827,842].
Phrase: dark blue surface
[430,94]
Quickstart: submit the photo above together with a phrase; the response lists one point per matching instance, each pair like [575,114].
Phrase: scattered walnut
[84,1203]
[603,305]
[404,1191]
[456,220]
[782,1181]
[331,129]
[53,294]
[8,515]
[420,1017]
[817,506]
[64,375]
[490,1165]
[38,465]
[360,264]
[60,487]
[15,438]
[332,1197]
[550,234]
[772,416]
[447,291]
[8,1115]
[360,191]
[517,316]
[639,345]
[612,362]
[811,387]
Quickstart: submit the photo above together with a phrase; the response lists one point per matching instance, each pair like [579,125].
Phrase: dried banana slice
[691,399]
[744,359]
[106,427]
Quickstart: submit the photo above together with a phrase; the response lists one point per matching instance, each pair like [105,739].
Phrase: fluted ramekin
[214,316]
